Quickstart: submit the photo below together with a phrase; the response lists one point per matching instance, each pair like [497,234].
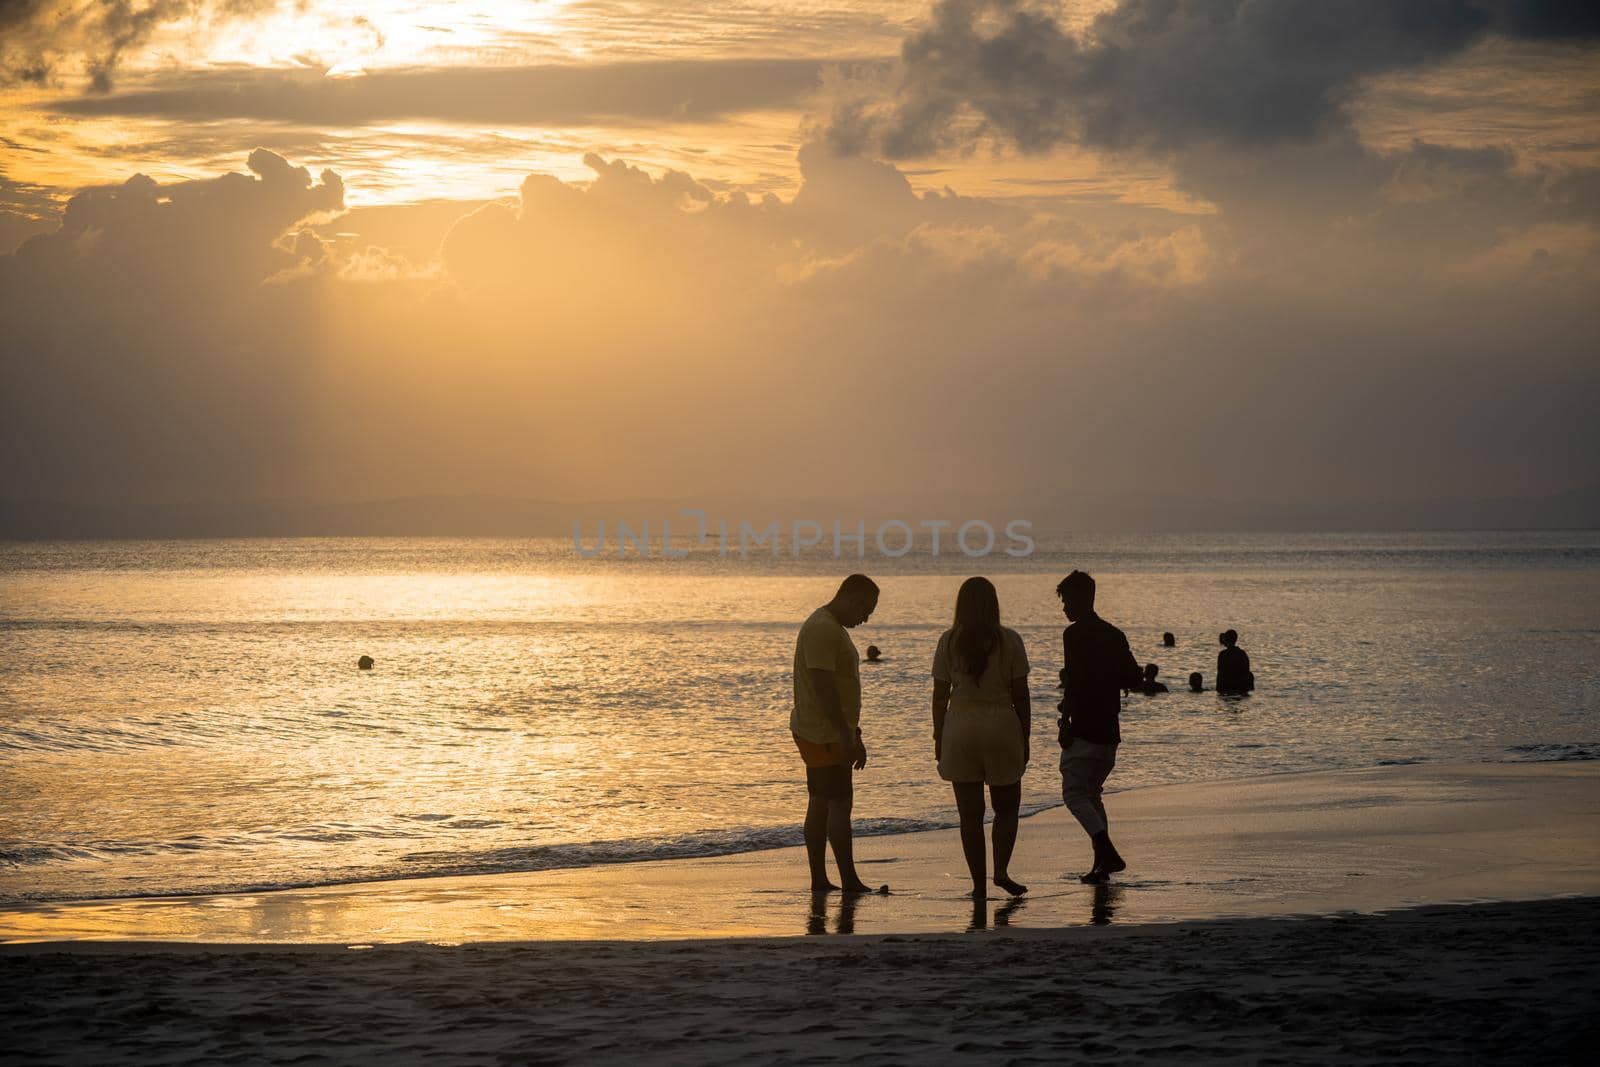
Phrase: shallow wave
[80,739]
[22,854]
[533,858]
[1552,753]
[440,864]
[463,862]
[34,853]
[444,864]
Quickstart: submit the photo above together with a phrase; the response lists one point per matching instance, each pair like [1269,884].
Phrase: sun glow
[348,39]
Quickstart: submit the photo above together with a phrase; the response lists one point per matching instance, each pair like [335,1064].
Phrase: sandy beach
[1514,983]
[1397,914]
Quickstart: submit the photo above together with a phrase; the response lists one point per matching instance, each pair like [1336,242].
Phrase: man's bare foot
[980,892]
[1095,877]
[1106,856]
[824,887]
[862,887]
[1010,885]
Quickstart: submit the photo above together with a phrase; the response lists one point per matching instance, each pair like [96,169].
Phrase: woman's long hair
[976,632]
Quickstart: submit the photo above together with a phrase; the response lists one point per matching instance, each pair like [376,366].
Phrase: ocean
[187,716]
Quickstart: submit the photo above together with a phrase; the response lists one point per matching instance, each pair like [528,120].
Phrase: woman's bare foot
[862,887]
[824,887]
[1010,885]
[980,892]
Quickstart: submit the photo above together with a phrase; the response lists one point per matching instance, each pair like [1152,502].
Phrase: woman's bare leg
[969,802]
[1007,801]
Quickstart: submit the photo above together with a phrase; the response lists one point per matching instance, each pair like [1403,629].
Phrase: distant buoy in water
[364,663]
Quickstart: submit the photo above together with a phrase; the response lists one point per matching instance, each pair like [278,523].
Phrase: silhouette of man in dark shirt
[1099,666]
[1233,666]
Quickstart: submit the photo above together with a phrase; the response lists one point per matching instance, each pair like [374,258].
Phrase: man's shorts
[825,776]
[1085,766]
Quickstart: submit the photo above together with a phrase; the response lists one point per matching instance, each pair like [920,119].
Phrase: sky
[1224,250]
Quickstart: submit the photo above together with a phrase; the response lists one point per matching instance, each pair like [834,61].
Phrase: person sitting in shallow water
[1150,687]
[874,653]
[1233,665]
[1197,682]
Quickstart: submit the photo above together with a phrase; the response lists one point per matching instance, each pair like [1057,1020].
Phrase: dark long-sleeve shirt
[1099,666]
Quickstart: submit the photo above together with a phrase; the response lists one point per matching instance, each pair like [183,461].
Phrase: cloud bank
[645,335]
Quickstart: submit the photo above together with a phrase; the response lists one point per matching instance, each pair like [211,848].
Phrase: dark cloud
[1164,74]
[1541,20]
[644,334]
[210,232]
[38,37]
[647,92]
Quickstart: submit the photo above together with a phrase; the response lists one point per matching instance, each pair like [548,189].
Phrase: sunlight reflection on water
[177,716]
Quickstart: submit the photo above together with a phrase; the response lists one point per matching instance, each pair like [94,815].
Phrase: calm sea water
[188,716]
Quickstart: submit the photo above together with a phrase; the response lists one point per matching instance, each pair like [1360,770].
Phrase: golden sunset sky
[1230,249]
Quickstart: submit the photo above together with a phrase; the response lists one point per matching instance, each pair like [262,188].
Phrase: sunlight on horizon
[368,35]
[392,34]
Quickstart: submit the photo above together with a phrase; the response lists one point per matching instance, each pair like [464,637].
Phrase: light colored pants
[1085,766]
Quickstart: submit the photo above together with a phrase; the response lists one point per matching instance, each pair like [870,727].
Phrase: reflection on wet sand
[1002,913]
[844,922]
[1106,897]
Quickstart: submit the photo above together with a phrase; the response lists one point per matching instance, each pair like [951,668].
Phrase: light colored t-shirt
[1007,660]
[824,645]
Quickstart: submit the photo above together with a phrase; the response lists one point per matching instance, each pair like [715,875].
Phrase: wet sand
[1303,844]
[592,964]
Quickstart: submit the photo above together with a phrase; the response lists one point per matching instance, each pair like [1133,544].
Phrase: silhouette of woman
[981,718]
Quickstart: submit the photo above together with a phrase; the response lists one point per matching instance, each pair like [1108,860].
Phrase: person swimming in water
[874,653]
[1150,687]
[1233,665]
[1197,682]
